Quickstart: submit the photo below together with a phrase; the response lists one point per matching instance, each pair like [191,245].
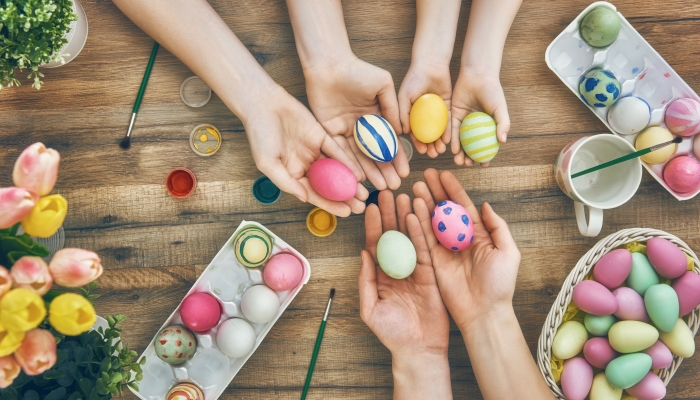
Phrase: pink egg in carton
[641,72]
[227,281]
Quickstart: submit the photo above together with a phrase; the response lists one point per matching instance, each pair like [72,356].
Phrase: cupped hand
[341,94]
[479,280]
[419,80]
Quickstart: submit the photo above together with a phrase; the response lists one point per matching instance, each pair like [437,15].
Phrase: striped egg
[683,117]
[452,226]
[376,138]
[252,247]
[477,134]
[185,391]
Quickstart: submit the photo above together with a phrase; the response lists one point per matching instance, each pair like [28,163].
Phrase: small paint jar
[194,92]
[265,192]
[205,140]
[320,222]
[181,182]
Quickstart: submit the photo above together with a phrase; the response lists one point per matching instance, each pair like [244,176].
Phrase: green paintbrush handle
[613,162]
[317,347]
[146,75]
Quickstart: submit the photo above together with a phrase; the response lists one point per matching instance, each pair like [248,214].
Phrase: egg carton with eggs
[210,365]
[641,73]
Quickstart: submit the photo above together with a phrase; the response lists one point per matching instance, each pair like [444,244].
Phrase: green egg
[598,325]
[627,370]
[569,340]
[600,27]
[396,254]
[661,302]
[642,276]
[632,336]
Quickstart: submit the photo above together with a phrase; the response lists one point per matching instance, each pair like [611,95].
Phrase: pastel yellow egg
[428,118]
[477,135]
[680,340]
[569,340]
[651,137]
[632,336]
[602,390]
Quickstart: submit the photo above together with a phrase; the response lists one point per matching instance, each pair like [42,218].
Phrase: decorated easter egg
[642,274]
[376,138]
[632,336]
[396,254]
[569,340]
[696,146]
[627,370]
[651,387]
[477,134]
[688,289]
[235,338]
[661,302]
[667,259]
[200,311]
[683,117]
[452,226]
[680,340]
[630,305]
[428,118]
[598,352]
[576,378]
[594,298]
[260,304]
[598,325]
[613,268]
[602,390]
[185,391]
[283,272]
[175,344]
[682,174]
[252,247]
[629,115]
[651,137]
[661,356]
[600,27]
[332,179]
[599,88]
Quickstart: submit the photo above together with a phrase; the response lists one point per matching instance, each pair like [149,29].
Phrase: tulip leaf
[12,248]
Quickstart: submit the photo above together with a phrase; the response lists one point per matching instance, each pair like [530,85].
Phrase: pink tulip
[37,352]
[36,169]
[5,281]
[9,369]
[15,204]
[32,273]
[75,267]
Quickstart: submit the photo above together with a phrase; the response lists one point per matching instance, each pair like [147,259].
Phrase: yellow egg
[428,118]
[602,390]
[569,340]
[651,137]
[680,340]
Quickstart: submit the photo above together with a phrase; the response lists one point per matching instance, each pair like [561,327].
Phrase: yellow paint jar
[320,222]
[205,140]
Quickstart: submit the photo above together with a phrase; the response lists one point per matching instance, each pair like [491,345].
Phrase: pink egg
[688,289]
[661,356]
[613,268]
[594,298]
[666,258]
[576,378]
[200,312]
[696,146]
[452,226]
[651,387]
[682,174]
[630,305]
[683,117]
[332,180]
[283,272]
[598,352]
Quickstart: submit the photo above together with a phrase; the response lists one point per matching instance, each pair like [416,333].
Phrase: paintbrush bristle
[125,143]
[332,292]
[677,139]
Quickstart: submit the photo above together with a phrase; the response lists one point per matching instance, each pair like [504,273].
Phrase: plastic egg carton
[642,72]
[210,369]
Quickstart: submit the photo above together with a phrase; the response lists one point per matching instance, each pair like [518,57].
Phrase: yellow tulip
[21,310]
[9,341]
[46,217]
[71,314]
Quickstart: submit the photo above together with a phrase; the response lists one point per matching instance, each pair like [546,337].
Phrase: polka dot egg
[452,226]
[175,344]
[599,88]
[376,138]
[252,246]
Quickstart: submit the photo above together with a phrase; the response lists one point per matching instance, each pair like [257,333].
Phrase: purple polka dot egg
[452,226]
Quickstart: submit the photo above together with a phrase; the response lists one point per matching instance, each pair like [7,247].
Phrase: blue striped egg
[376,138]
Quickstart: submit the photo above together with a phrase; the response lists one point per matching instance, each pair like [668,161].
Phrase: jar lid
[194,92]
[265,192]
[320,222]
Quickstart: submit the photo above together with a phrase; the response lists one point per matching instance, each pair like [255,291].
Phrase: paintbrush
[317,347]
[630,156]
[126,142]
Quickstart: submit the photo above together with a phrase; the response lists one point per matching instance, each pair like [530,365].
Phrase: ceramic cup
[601,190]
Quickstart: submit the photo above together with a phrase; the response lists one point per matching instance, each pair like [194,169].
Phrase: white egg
[629,115]
[236,338]
[260,304]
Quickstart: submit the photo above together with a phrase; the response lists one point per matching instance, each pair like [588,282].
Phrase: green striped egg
[477,134]
[252,246]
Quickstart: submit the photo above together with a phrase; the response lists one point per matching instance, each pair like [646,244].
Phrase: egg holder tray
[642,72]
[580,271]
[225,279]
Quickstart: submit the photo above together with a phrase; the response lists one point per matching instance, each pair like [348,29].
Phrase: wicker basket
[583,267]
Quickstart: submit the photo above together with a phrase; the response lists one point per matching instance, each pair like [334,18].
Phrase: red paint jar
[181,182]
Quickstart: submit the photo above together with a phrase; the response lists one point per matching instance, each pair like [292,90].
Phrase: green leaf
[54,374]
[56,394]
[133,386]
[86,385]
[117,377]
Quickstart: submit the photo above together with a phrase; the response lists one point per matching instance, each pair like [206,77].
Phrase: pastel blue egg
[376,138]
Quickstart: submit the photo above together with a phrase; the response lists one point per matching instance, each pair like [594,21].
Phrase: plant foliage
[12,247]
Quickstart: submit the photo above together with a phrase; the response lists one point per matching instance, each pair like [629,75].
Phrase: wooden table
[154,246]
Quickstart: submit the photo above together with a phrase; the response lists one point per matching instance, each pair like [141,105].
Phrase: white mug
[601,190]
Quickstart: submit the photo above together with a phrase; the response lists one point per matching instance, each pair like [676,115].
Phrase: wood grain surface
[154,246]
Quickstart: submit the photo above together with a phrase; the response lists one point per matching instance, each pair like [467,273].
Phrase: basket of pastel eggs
[625,318]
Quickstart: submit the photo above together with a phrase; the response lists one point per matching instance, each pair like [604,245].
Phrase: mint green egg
[661,302]
[396,254]
[598,325]
[627,370]
[642,276]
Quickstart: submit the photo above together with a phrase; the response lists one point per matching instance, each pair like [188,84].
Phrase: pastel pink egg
[682,174]
[696,146]
[630,305]
[598,352]
[666,258]
[688,289]
[661,356]
[576,378]
[613,268]
[200,312]
[651,387]
[283,272]
[452,226]
[594,298]
[683,117]
[332,180]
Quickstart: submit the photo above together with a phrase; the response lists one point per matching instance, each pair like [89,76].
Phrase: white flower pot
[76,35]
